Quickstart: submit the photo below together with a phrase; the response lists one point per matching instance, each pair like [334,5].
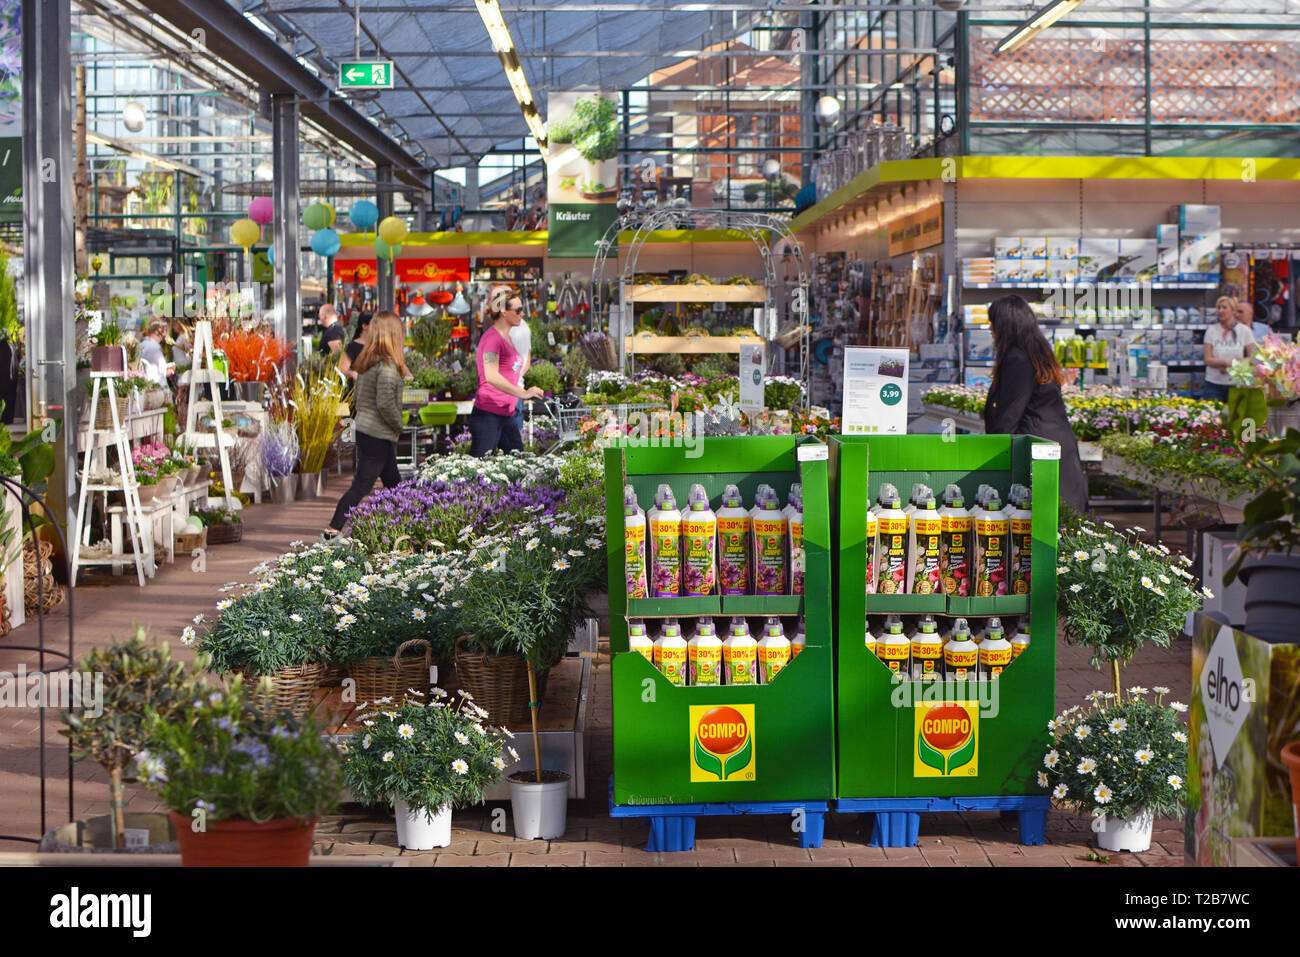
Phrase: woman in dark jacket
[1025,398]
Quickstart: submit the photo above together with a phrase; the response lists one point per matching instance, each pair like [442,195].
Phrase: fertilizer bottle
[891,552]
[955,542]
[794,525]
[1019,520]
[894,648]
[798,642]
[994,652]
[665,545]
[734,558]
[992,534]
[634,527]
[871,641]
[773,651]
[924,548]
[740,655]
[1019,643]
[873,529]
[927,651]
[770,533]
[699,544]
[704,655]
[960,654]
[670,652]
[638,641]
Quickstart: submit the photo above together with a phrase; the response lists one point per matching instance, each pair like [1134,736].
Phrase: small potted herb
[107,354]
[246,786]
[427,759]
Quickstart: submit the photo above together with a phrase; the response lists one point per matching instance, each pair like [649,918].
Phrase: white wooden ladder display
[203,370]
[98,441]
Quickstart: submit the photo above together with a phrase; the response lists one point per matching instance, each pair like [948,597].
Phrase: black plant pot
[1272,597]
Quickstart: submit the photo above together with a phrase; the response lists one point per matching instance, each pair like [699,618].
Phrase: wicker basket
[48,589]
[391,677]
[186,542]
[225,534]
[104,412]
[294,691]
[498,683]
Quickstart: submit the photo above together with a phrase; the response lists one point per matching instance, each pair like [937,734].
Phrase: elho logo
[947,738]
[722,742]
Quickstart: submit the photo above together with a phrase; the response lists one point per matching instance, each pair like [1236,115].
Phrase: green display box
[785,750]
[989,738]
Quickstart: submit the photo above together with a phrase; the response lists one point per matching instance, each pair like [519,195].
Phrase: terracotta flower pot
[107,359]
[284,842]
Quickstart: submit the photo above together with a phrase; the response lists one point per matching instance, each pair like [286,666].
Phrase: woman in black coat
[1025,398]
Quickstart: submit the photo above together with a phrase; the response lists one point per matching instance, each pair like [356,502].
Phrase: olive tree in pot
[1268,538]
[427,758]
[134,682]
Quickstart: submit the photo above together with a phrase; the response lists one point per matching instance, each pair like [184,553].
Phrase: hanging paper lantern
[270,254]
[364,215]
[332,215]
[318,216]
[261,210]
[392,230]
[245,232]
[387,250]
[325,242]
[459,306]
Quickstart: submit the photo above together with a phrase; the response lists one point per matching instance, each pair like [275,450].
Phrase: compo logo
[722,742]
[947,738]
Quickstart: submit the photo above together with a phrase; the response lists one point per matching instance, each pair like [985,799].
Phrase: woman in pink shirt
[500,368]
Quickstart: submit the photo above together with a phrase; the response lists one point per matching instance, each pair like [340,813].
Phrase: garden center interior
[786,571]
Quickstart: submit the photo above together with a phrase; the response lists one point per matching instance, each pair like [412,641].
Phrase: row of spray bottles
[926,656]
[706,659]
[953,550]
[733,551]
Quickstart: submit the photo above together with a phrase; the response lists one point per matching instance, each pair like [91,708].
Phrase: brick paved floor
[106,608]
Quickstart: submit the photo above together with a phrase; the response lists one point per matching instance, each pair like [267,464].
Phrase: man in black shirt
[333,333]
[353,349]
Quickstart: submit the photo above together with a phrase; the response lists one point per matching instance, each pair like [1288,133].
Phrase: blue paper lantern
[270,255]
[364,215]
[325,242]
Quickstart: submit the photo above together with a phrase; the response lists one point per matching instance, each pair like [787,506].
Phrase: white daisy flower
[1134,555]
[1147,582]
[1042,780]
[1052,759]
[513,753]
[1060,791]
[224,604]
[1092,696]
[1081,556]
[188,635]
[1076,588]
[296,618]
[499,763]
[1144,755]
[1178,706]
[460,767]
[1086,766]
[1160,689]
[531,544]
[1180,737]
[462,737]
[419,614]
[1137,690]
[1102,794]
[560,564]
[200,619]
[1082,731]
[365,743]
[1206,592]
[1062,569]
[405,732]
[1175,782]
[1053,724]
[1118,725]
[388,757]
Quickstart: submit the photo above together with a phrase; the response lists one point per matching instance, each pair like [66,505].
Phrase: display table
[138,425]
[158,528]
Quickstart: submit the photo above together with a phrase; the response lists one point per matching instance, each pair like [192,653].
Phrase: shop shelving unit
[878,769]
[792,725]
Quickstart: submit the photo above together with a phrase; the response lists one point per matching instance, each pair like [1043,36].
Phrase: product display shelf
[879,721]
[686,345]
[968,421]
[789,723]
[697,292]
[897,821]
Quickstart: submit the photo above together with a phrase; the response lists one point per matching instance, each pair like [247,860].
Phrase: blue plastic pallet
[672,826]
[898,820]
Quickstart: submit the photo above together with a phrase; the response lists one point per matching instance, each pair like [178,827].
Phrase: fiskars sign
[722,743]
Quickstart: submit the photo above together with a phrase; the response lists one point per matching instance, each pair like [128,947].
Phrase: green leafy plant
[434,378]
[545,376]
[1119,756]
[430,335]
[110,334]
[232,760]
[1116,593]
[1271,520]
[465,382]
[592,128]
[431,755]
[11,327]
[576,367]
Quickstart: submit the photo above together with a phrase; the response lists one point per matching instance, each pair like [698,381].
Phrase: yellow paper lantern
[245,232]
[392,230]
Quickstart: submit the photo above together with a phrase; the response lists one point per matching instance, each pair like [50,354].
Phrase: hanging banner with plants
[11,110]
[582,174]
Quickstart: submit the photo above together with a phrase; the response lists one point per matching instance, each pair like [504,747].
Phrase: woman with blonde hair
[1225,342]
[378,421]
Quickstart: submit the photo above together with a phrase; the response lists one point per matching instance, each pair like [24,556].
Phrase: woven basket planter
[294,690]
[104,412]
[48,589]
[186,542]
[225,534]
[392,677]
[498,683]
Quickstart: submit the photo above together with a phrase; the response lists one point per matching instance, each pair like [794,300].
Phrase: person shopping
[1025,398]
[153,364]
[500,371]
[1224,342]
[378,419]
[352,352]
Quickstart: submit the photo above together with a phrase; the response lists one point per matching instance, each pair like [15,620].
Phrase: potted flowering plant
[427,759]
[1116,593]
[1274,367]
[246,786]
[148,478]
[1122,760]
[107,353]
[278,452]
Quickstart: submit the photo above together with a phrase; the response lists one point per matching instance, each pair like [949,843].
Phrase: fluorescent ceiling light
[1035,25]
[504,45]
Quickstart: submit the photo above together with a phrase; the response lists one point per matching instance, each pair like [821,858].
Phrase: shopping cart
[568,416]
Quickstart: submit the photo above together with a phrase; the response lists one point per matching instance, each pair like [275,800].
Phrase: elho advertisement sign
[582,174]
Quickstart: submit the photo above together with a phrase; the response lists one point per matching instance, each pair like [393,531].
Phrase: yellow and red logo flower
[722,743]
[947,739]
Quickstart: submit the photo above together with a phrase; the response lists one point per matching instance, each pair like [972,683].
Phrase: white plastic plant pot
[540,810]
[422,830]
[1126,834]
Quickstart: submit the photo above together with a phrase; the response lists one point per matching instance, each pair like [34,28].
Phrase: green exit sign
[366,74]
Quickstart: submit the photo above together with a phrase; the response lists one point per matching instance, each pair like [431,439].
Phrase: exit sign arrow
[366,74]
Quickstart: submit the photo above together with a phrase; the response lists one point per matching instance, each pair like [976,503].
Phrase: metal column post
[384,200]
[48,266]
[288,254]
